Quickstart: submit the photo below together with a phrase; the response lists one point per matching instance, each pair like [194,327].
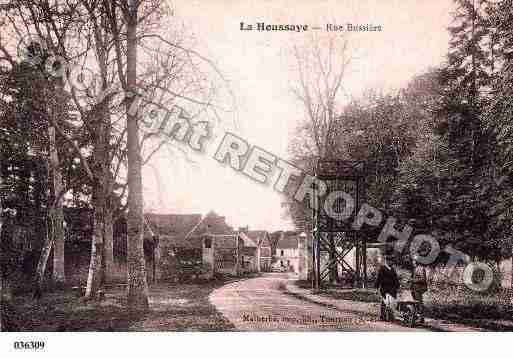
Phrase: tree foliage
[439,152]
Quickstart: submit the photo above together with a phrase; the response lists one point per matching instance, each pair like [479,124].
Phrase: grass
[357,295]
[460,302]
[335,292]
[446,302]
[173,307]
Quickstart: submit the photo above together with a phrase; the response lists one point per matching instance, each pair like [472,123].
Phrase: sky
[258,72]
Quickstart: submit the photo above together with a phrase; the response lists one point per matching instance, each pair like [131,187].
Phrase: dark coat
[387,281]
[419,279]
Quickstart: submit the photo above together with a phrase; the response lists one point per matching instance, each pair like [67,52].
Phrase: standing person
[419,284]
[387,283]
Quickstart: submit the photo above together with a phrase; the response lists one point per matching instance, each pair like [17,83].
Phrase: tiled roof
[180,242]
[186,224]
[248,241]
[275,236]
[255,235]
[225,241]
[172,224]
[214,224]
[289,241]
[259,237]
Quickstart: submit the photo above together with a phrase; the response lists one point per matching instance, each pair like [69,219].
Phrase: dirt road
[263,304]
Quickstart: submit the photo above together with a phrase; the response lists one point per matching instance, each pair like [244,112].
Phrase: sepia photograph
[229,166]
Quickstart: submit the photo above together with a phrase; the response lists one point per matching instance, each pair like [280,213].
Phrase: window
[208,242]
[282,253]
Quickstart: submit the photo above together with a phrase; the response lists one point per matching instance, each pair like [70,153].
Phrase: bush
[188,270]
[459,301]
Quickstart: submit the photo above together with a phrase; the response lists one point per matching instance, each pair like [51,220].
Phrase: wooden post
[153,248]
[318,264]
[1,268]
[1,296]
[258,254]
[1,257]
[237,255]
[364,245]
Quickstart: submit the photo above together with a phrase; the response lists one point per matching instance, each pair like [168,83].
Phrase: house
[186,225]
[170,224]
[243,251]
[250,256]
[214,224]
[180,240]
[223,253]
[287,252]
[264,253]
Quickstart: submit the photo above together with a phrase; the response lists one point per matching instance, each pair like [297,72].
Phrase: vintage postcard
[255,166]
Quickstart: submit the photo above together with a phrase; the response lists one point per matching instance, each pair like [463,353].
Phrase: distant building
[249,253]
[264,252]
[171,224]
[223,254]
[180,239]
[187,224]
[287,252]
[253,252]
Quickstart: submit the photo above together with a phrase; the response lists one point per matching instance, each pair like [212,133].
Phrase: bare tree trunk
[137,284]
[101,188]
[94,277]
[101,251]
[108,246]
[43,258]
[57,217]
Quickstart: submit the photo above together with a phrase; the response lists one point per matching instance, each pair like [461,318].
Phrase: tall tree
[31,135]
[107,35]
[498,119]
[1,255]
[473,61]
[57,24]
[321,66]
[168,71]
[137,284]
